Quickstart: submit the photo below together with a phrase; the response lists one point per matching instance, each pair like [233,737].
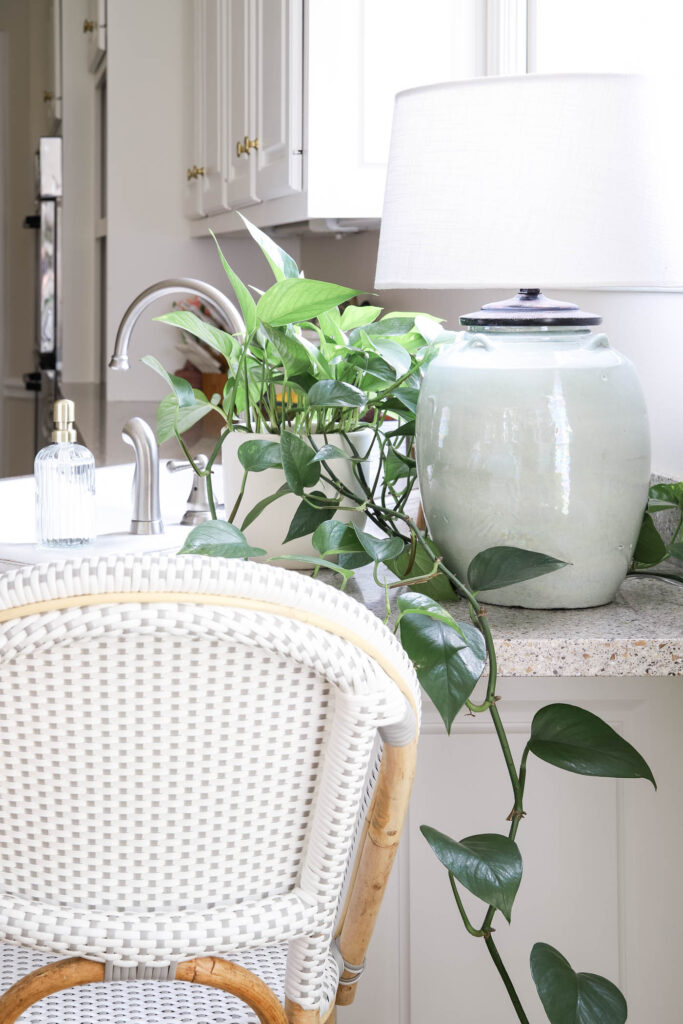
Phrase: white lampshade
[551,181]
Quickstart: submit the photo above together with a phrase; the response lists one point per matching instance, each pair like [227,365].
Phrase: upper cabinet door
[215,88]
[278,149]
[205,185]
[238,56]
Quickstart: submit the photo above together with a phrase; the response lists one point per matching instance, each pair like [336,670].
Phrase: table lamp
[531,430]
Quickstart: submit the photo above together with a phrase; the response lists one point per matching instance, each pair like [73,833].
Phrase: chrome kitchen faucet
[146,512]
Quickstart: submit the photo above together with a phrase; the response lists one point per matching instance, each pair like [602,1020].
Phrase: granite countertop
[638,634]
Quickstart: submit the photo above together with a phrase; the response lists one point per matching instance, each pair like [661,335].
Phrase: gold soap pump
[64,415]
[65,485]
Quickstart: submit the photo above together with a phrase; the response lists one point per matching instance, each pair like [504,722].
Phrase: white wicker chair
[187,748]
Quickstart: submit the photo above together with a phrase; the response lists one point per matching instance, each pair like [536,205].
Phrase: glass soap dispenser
[65,485]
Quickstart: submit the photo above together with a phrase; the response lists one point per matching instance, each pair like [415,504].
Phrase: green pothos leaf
[650,548]
[571,998]
[220,540]
[170,417]
[314,509]
[579,741]
[489,865]
[503,565]
[445,663]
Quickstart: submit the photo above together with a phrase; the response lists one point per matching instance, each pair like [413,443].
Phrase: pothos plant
[364,367]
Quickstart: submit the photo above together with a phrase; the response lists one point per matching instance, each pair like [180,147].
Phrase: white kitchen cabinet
[601,856]
[305,126]
[246,115]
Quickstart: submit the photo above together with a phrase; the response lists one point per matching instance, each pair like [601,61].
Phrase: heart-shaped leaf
[281,263]
[219,539]
[308,517]
[301,471]
[489,865]
[259,455]
[650,548]
[170,417]
[379,548]
[579,741]
[501,566]
[182,389]
[448,669]
[298,298]
[571,998]
[336,394]
[336,538]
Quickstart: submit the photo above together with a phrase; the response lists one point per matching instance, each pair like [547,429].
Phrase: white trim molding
[506,37]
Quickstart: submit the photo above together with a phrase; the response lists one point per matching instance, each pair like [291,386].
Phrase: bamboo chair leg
[203,971]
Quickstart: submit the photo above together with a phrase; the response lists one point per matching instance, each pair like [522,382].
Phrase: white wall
[148,235]
[647,327]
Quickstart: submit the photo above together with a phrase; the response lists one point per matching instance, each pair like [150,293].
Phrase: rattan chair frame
[378,843]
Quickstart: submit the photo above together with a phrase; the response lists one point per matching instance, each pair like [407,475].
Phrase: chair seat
[153,1002]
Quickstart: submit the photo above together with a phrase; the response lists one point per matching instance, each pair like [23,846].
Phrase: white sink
[114,485]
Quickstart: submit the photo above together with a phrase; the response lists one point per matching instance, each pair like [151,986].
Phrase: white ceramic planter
[539,440]
[270,528]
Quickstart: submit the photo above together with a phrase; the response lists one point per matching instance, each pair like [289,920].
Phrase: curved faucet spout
[214,299]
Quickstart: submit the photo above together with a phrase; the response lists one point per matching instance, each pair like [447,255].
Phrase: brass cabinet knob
[89,26]
[48,96]
[250,143]
[195,172]
[242,148]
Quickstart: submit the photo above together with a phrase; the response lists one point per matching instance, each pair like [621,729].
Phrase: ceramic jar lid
[530,308]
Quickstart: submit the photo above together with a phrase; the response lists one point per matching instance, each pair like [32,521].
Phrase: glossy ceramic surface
[537,439]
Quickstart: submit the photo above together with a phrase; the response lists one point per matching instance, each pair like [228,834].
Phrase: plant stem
[463,913]
[507,754]
[238,500]
[507,981]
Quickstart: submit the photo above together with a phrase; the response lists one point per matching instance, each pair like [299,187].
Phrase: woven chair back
[198,754]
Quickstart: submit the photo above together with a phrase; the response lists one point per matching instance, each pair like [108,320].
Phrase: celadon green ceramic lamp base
[532,432]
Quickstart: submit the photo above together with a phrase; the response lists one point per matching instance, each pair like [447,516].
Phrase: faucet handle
[197,510]
[175,465]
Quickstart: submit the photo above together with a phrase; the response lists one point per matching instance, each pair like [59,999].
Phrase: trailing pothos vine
[359,368]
